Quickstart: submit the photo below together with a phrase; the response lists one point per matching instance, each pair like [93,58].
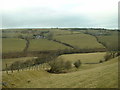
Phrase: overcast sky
[59,13]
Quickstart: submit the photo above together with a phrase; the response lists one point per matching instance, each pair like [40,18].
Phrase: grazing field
[31,68]
[80,41]
[12,60]
[110,41]
[108,37]
[104,75]
[12,45]
[84,58]
[44,45]
[63,32]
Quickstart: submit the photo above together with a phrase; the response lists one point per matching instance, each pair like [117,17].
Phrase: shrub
[59,66]
[109,55]
[101,61]
[68,65]
[77,63]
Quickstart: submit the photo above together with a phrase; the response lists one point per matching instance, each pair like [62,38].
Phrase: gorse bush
[59,66]
[77,63]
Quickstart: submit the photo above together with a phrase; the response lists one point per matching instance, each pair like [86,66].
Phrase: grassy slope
[44,44]
[110,41]
[84,58]
[103,75]
[82,41]
[13,45]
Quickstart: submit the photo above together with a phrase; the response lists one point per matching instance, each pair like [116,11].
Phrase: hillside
[104,75]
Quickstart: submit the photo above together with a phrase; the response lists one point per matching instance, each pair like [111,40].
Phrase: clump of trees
[20,65]
[77,64]
[59,66]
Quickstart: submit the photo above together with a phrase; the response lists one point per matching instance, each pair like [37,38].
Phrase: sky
[59,13]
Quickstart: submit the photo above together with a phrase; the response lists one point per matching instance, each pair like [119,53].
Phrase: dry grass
[84,58]
[103,75]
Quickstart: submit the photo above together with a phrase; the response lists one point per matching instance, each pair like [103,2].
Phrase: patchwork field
[82,41]
[44,44]
[108,37]
[13,45]
[103,75]
[35,73]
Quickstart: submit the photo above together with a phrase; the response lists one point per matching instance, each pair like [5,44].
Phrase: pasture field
[13,45]
[12,60]
[90,74]
[108,37]
[63,32]
[84,58]
[80,41]
[104,75]
[110,41]
[45,45]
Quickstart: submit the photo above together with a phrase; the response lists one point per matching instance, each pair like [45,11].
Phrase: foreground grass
[103,75]
[12,45]
[45,45]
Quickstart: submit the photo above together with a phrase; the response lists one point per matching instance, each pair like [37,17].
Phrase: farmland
[13,45]
[108,37]
[44,44]
[82,41]
[30,55]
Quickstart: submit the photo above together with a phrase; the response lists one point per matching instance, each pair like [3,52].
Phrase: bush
[59,66]
[77,63]
[110,55]
[101,61]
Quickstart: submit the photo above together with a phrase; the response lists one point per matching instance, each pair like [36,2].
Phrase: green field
[12,45]
[110,41]
[108,37]
[44,45]
[84,58]
[63,32]
[103,75]
[82,41]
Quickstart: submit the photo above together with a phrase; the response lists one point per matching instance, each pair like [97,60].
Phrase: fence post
[12,70]
[7,69]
